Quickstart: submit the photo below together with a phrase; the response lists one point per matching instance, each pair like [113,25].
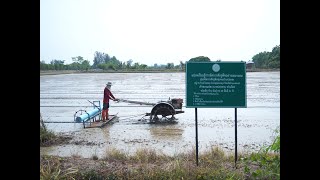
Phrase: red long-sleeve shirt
[107,94]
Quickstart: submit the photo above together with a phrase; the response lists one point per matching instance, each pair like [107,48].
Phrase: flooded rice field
[62,95]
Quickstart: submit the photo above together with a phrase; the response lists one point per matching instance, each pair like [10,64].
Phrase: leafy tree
[122,65]
[102,66]
[260,59]
[43,65]
[111,66]
[143,66]
[57,64]
[170,66]
[129,63]
[78,59]
[106,58]
[115,61]
[274,64]
[85,65]
[79,63]
[99,58]
[200,59]
[274,60]
[182,65]
[268,59]
[75,66]
[136,65]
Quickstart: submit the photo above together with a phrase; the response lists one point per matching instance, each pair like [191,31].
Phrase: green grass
[115,155]
[151,164]
[147,164]
[266,163]
[46,136]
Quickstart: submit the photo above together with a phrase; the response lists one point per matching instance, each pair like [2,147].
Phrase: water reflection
[166,132]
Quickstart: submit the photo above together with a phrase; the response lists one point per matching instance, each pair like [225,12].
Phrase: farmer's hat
[109,84]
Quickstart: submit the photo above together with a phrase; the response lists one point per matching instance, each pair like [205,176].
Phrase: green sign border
[212,62]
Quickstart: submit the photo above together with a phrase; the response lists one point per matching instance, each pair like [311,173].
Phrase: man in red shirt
[107,94]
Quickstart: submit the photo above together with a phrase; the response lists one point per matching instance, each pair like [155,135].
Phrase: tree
[129,63]
[260,59]
[200,59]
[78,59]
[136,65]
[122,65]
[99,58]
[170,66]
[43,65]
[85,65]
[57,64]
[182,65]
[143,66]
[274,60]
[106,58]
[102,66]
[115,61]
[267,59]
[75,66]
[111,65]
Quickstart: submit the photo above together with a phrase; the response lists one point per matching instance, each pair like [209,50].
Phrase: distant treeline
[104,61]
[267,60]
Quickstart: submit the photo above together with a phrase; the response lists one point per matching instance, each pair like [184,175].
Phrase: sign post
[196,112]
[236,138]
[216,85]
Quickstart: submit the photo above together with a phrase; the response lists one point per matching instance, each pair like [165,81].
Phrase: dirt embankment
[51,72]
[54,140]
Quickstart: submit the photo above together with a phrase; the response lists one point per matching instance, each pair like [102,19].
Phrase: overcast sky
[158,31]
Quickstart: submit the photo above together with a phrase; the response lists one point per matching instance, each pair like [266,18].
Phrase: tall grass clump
[50,168]
[46,136]
[266,163]
[113,154]
[150,164]
[147,164]
[148,156]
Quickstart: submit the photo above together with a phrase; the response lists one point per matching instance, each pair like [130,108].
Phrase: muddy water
[62,95]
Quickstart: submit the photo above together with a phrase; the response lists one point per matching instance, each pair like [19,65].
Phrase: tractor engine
[176,103]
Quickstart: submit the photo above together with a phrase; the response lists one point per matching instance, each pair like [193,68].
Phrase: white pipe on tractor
[89,114]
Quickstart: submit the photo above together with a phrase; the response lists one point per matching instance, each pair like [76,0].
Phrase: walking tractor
[160,112]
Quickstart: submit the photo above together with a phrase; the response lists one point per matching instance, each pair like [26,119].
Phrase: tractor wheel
[162,112]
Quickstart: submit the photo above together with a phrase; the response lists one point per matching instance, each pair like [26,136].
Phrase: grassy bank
[150,164]
[147,164]
[48,138]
